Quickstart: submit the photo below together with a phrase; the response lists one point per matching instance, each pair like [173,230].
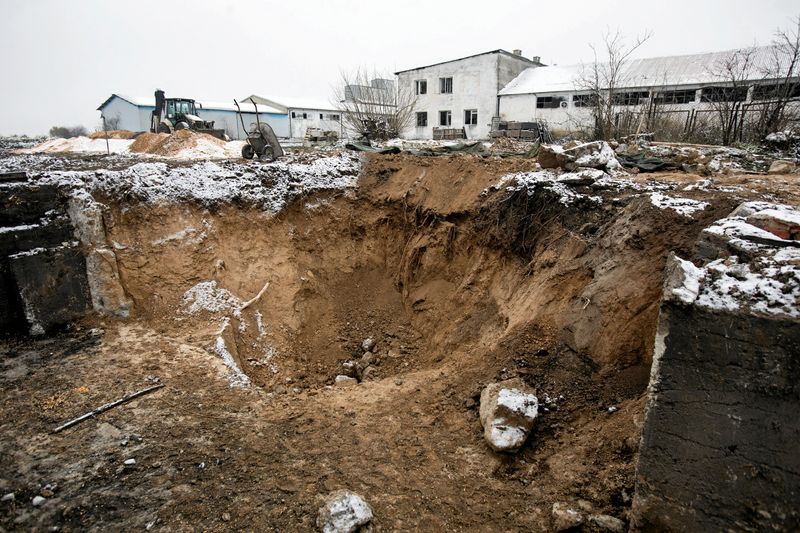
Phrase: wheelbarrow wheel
[267,156]
[248,152]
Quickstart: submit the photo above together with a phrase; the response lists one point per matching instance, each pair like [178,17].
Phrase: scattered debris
[608,523]
[129,462]
[106,407]
[38,500]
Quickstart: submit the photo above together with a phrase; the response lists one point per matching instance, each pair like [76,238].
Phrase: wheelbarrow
[261,141]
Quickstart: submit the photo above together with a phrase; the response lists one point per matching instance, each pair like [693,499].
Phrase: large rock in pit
[508,411]
[343,512]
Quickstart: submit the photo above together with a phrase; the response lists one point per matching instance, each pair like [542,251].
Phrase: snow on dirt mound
[268,186]
[83,145]
[184,144]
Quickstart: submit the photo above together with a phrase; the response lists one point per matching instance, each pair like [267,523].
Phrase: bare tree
[735,73]
[605,76]
[783,71]
[374,106]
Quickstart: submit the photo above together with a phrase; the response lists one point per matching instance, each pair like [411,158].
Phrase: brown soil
[459,290]
[170,144]
[114,134]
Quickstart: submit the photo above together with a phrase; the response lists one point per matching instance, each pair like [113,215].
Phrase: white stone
[38,500]
[609,523]
[129,462]
[564,517]
[344,381]
[507,412]
[343,512]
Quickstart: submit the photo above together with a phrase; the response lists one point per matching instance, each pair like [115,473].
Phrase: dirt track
[414,259]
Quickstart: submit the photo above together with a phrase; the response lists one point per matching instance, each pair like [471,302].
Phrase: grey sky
[62,58]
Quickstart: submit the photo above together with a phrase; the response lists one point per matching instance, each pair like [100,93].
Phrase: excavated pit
[460,284]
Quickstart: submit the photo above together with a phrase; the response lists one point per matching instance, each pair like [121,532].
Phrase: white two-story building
[461,92]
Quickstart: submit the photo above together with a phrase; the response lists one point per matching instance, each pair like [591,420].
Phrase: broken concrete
[508,411]
[719,441]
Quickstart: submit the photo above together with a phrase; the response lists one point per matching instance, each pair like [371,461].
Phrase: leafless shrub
[373,106]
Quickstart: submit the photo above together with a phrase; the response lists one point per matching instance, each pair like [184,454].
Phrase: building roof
[668,71]
[498,51]
[145,101]
[292,102]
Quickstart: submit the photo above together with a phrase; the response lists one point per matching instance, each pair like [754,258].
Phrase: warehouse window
[446,85]
[471,117]
[422,119]
[630,98]
[445,118]
[421,86]
[584,100]
[549,102]
[683,96]
[777,90]
[724,94]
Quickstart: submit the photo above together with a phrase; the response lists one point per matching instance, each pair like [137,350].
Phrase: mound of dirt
[114,134]
[181,144]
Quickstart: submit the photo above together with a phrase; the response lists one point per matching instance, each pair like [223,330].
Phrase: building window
[549,102]
[421,86]
[630,98]
[470,117]
[445,118]
[299,115]
[446,85]
[422,119]
[335,117]
[584,100]
[776,91]
[683,96]
[320,116]
[723,94]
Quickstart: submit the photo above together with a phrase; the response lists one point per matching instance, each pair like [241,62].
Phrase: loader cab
[178,108]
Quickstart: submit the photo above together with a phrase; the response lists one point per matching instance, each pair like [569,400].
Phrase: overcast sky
[62,58]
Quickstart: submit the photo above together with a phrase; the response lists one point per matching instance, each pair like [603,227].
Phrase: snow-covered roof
[149,101]
[292,102]
[498,51]
[668,71]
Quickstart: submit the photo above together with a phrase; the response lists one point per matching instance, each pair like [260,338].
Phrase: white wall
[475,86]
[131,117]
[229,121]
[299,125]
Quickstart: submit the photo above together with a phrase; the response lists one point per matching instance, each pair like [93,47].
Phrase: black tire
[163,128]
[267,156]
[248,152]
[182,126]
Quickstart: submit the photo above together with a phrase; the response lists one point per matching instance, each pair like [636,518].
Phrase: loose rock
[343,512]
[368,344]
[507,412]
[344,381]
[782,166]
[565,518]
[609,523]
[8,497]
[38,500]
[129,462]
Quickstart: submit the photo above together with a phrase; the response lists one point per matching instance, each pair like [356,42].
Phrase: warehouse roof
[144,101]
[292,102]
[694,69]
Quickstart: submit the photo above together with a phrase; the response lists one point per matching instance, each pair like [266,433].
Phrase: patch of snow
[518,402]
[21,227]
[186,236]
[267,186]
[237,378]
[206,296]
[683,206]
[688,291]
